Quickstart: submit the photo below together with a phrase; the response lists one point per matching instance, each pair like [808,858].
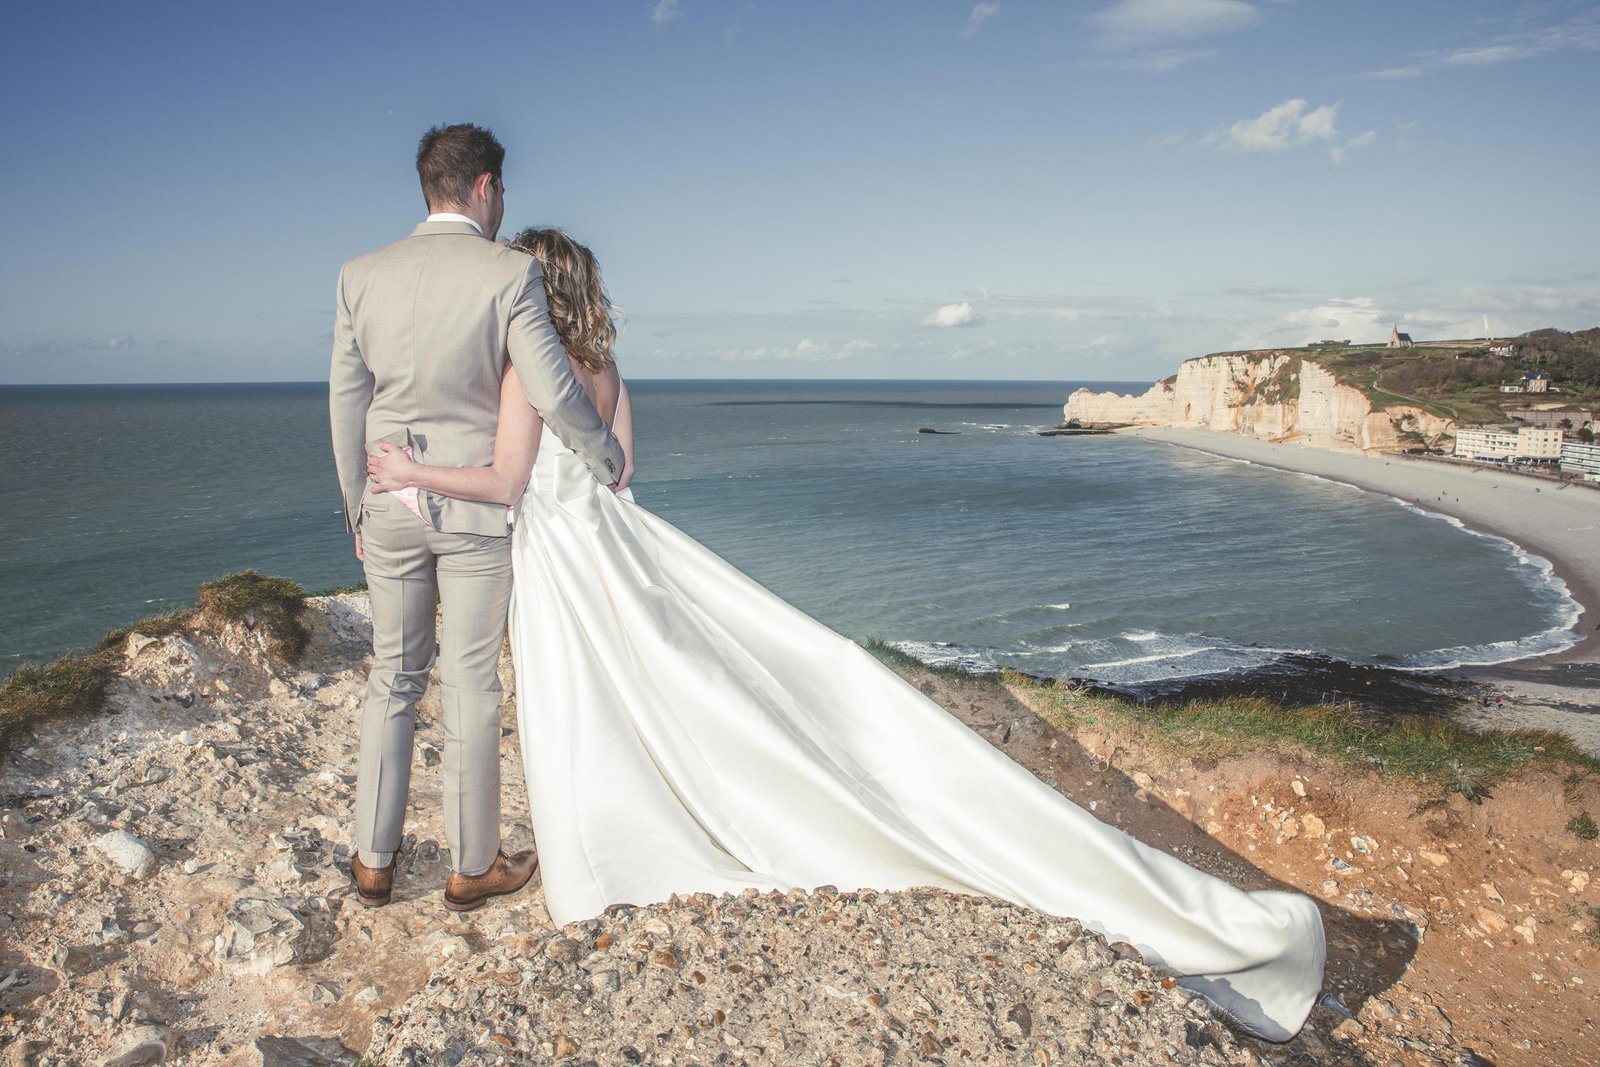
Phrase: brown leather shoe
[506,874]
[373,884]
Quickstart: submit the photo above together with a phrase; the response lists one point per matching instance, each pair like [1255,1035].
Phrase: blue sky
[1090,190]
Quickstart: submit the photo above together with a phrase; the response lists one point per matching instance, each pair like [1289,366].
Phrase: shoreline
[1555,690]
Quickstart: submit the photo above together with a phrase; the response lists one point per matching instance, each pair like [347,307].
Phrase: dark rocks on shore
[930,429]
[1298,680]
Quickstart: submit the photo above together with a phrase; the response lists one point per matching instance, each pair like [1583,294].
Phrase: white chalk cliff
[1276,396]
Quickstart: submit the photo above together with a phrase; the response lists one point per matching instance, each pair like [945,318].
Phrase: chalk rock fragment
[126,853]
[147,1044]
[259,935]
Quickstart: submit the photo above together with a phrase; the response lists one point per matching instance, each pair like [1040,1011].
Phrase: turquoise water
[1107,557]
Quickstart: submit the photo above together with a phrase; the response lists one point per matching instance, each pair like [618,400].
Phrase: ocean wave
[1140,657]
[1156,658]
[1175,657]
[1556,639]
[943,654]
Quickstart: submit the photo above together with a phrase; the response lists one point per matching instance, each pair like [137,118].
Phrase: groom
[422,332]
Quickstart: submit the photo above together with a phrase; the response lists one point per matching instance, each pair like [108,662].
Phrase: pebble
[126,853]
[145,1044]
[304,1052]
[563,950]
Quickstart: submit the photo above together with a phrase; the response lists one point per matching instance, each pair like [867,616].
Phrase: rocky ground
[809,978]
[174,891]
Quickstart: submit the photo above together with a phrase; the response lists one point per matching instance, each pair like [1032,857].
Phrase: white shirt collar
[451,216]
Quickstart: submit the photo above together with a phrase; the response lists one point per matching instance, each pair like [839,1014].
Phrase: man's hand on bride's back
[390,470]
[627,476]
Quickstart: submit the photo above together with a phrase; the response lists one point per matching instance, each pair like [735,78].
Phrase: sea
[1110,558]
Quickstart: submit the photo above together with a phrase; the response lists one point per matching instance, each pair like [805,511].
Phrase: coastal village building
[1580,458]
[1398,339]
[1530,383]
[1502,348]
[1492,443]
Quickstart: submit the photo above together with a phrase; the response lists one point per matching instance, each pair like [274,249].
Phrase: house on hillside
[1536,383]
[1398,339]
[1502,348]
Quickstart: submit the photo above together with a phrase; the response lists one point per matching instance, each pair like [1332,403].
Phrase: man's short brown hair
[449,160]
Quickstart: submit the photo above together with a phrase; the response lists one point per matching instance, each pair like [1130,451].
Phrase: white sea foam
[1156,658]
[942,654]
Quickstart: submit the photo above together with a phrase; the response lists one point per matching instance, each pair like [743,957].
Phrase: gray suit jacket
[422,331]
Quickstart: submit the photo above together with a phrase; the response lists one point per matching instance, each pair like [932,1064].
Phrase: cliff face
[1276,396]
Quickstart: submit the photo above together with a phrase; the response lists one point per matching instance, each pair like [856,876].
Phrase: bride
[685,730]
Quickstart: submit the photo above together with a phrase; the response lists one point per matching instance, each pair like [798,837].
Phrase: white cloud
[71,346]
[805,350]
[1360,319]
[1336,153]
[1280,127]
[1391,74]
[1580,33]
[664,11]
[981,349]
[981,13]
[1131,22]
[1321,124]
[1165,60]
[953,315]
[1364,320]
[1292,124]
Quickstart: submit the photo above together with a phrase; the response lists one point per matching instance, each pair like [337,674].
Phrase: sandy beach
[1559,691]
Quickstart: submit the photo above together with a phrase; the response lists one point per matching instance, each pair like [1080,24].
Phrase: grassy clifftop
[1458,380]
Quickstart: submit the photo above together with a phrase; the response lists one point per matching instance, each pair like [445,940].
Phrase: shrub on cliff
[72,685]
[173,622]
[274,606]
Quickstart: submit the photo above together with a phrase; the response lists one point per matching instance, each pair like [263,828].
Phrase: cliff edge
[176,892]
[1275,395]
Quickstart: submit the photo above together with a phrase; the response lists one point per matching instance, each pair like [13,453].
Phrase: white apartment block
[1525,442]
[1580,458]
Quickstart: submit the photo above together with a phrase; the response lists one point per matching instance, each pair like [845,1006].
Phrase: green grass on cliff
[76,684]
[173,622]
[273,605]
[72,685]
[1431,751]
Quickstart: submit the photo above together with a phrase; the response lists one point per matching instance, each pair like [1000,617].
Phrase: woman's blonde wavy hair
[579,308]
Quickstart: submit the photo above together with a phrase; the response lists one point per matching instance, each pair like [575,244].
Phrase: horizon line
[323,382]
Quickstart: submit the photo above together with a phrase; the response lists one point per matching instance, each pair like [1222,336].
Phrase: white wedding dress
[685,730]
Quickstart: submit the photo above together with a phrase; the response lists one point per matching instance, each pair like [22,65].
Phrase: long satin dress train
[685,730]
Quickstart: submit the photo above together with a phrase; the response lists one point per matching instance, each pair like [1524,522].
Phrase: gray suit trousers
[412,567]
